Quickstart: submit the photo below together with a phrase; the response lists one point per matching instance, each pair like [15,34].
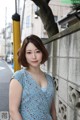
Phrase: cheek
[27,57]
[41,56]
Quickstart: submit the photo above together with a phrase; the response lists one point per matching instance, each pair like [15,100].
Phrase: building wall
[2,48]
[59,10]
[64,65]
[33,24]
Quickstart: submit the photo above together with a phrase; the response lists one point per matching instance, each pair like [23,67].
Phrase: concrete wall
[64,65]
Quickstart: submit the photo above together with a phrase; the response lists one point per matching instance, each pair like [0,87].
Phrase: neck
[34,70]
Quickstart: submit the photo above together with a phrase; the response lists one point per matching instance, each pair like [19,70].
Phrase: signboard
[70,1]
[4,115]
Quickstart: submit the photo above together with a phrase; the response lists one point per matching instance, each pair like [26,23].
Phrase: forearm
[53,112]
[15,115]
[54,116]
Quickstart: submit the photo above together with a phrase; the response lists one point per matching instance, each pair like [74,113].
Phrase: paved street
[5,76]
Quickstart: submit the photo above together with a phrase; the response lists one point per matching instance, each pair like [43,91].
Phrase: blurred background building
[30,24]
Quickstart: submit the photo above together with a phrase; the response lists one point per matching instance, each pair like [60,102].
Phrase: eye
[28,52]
[38,51]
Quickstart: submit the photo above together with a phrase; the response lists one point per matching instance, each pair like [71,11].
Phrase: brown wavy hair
[38,43]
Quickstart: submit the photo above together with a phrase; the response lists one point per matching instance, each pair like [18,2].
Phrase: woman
[31,93]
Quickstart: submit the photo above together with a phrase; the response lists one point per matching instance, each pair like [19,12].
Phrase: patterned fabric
[35,103]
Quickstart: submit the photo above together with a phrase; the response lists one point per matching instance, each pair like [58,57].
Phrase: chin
[35,65]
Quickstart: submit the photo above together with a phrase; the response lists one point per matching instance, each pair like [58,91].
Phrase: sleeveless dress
[35,101]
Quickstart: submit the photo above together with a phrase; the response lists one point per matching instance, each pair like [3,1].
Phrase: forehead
[31,46]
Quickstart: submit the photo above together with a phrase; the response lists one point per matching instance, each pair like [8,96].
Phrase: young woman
[31,92]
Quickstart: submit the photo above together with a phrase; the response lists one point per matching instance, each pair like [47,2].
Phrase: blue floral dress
[35,102]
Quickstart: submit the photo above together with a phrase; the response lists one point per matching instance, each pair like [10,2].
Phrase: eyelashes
[38,51]
[30,52]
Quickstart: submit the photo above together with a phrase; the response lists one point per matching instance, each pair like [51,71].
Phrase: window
[28,23]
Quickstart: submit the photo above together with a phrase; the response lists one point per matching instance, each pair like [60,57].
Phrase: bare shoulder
[17,78]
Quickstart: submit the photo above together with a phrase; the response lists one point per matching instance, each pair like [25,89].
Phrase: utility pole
[18,7]
[23,16]
[5,30]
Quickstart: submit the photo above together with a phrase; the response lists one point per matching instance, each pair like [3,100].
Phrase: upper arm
[53,107]
[15,91]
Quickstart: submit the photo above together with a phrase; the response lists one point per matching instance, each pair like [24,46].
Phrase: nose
[34,55]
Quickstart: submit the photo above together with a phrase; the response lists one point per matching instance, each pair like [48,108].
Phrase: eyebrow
[28,50]
[32,50]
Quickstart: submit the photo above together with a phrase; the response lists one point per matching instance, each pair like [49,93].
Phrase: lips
[34,61]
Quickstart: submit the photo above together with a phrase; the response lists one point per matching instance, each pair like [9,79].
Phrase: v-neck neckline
[36,81]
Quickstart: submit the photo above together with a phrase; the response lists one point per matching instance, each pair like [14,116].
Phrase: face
[33,55]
